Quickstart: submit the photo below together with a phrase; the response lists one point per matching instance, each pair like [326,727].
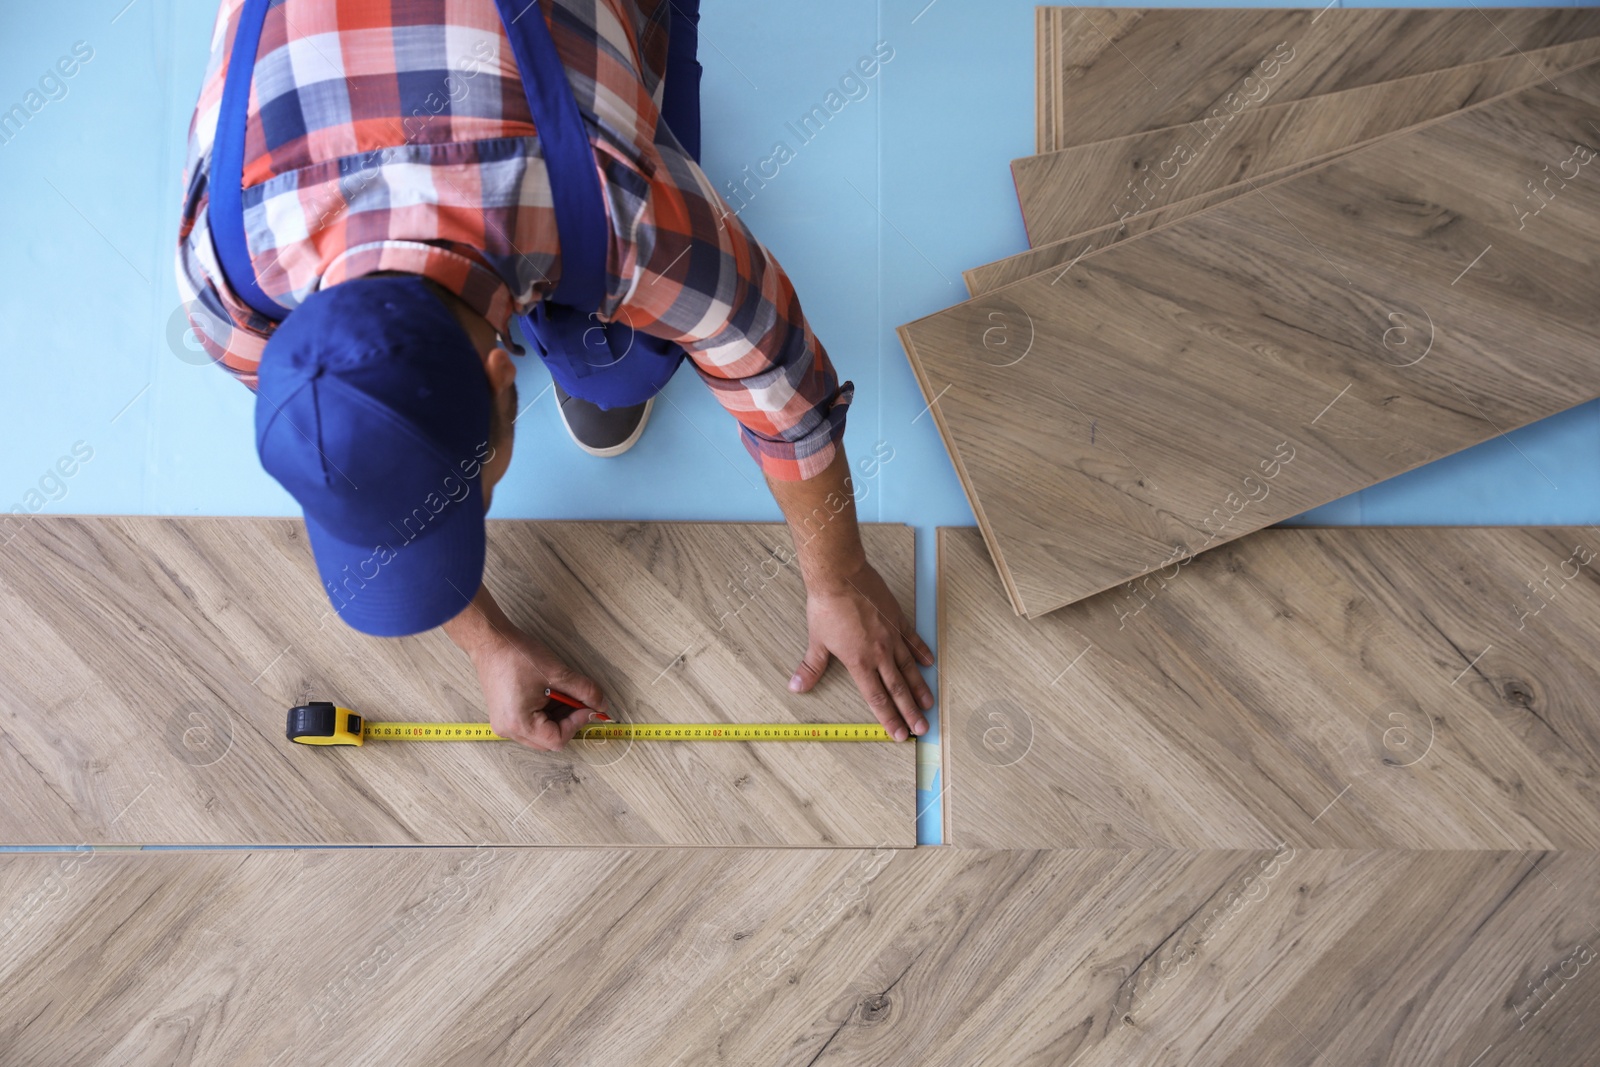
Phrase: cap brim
[418,580]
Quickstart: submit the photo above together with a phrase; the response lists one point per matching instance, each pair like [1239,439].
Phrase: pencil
[562,698]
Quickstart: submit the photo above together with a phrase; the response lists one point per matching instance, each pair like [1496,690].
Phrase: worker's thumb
[579,687]
[810,669]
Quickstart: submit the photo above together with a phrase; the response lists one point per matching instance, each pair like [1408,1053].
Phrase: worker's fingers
[511,724]
[907,664]
[810,670]
[569,726]
[543,734]
[919,647]
[905,701]
[581,687]
[878,699]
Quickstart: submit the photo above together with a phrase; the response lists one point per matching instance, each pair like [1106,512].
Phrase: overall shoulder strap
[563,138]
[225,178]
[568,156]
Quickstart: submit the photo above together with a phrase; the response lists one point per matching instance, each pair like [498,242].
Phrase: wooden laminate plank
[1056,257]
[1332,688]
[1320,132]
[1109,72]
[797,957]
[1381,311]
[1069,193]
[150,663]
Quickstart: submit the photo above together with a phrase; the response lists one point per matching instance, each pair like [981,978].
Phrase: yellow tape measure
[323,723]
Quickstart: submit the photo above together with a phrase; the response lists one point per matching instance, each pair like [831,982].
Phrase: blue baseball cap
[372,410]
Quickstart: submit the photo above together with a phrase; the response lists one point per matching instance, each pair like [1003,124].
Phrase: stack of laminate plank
[1277,256]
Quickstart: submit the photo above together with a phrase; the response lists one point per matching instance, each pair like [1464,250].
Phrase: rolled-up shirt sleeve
[697,276]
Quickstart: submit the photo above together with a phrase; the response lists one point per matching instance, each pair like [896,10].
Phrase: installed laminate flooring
[1067,193]
[1108,72]
[1364,318]
[1095,958]
[150,663]
[1410,688]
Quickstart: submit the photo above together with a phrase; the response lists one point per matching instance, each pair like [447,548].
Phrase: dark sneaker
[598,432]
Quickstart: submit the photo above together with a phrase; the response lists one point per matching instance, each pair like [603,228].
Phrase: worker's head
[389,424]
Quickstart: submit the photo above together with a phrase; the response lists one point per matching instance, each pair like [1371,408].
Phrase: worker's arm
[514,668]
[709,285]
[850,612]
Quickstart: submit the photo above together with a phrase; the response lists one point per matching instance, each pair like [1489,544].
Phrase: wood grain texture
[1100,423]
[945,957]
[1109,72]
[1057,256]
[1320,141]
[1067,193]
[1331,688]
[150,663]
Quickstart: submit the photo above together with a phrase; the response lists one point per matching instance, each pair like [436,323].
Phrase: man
[370,201]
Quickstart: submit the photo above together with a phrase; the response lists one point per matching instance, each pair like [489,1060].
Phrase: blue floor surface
[874,217]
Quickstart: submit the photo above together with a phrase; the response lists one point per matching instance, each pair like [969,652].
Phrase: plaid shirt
[395,136]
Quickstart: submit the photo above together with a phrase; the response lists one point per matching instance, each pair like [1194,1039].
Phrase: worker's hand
[514,671]
[858,621]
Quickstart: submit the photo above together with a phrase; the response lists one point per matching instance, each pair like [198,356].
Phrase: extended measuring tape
[324,723]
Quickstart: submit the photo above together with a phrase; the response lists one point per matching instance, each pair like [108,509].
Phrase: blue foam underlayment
[874,216]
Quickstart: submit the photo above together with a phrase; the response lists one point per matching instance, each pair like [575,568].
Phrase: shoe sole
[617,449]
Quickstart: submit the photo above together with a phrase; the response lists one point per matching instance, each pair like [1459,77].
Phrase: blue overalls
[607,364]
